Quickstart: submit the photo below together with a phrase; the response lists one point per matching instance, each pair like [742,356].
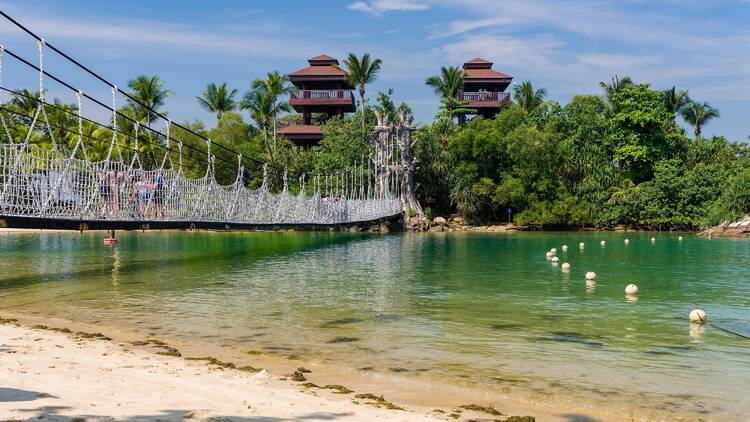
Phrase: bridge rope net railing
[47,183]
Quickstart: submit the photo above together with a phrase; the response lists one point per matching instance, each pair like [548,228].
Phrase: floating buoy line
[697,317]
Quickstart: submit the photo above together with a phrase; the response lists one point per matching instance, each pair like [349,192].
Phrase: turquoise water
[485,310]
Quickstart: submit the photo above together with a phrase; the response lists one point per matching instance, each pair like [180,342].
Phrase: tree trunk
[268,145]
[362,102]
[697,131]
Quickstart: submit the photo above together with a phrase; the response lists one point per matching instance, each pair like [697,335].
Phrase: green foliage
[218,99]
[638,130]
[386,107]
[597,161]
[698,115]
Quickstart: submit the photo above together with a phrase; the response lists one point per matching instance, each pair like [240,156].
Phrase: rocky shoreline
[737,229]
[453,224]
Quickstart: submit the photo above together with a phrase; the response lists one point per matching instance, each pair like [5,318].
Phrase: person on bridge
[158,195]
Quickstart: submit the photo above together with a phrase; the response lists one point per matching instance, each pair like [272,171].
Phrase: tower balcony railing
[322,96]
[485,98]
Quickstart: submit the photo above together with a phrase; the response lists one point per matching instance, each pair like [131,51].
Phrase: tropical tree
[698,115]
[527,97]
[675,101]
[448,86]
[362,71]
[260,104]
[274,86]
[218,99]
[26,101]
[616,85]
[149,94]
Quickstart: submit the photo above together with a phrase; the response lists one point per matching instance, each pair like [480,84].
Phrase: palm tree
[527,97]
[260,105]
[698,115]
[276,85]
[616,85]
[362,72]
[675,101]
[150,95]
[26,101]
[218,99]
[447,85]
[61,118]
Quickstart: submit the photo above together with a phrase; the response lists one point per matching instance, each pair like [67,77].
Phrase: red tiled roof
[300,130]
[484,74]
[477,61]
[320,71]
[322,65]
[323,58]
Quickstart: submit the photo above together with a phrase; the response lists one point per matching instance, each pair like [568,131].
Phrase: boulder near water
[740,228]
[439,221]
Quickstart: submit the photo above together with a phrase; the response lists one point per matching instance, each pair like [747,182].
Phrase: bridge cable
[111,85]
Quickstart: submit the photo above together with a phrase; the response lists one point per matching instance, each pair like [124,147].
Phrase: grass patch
[310,385]
[378,401]
[339,389]
[485,409]
[98,336]
[342,340]
[298,376]
[226,365]
[167,349]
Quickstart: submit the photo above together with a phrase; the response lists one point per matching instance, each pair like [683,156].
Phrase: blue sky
[565,46]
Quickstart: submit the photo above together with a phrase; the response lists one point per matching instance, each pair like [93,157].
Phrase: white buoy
[581,245]
[602,243]
[555,260]
[549,255]
[679,238]
[553,250]
[590,275]
[564,248]
[698,316]
[653,239]
[631,290]
[565,266]
[627,241]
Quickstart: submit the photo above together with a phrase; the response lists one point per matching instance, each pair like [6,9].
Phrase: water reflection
[456,306]
[697,331]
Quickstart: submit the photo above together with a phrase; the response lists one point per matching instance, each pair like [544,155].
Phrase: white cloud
[378,7]
[504,50]
[142,34]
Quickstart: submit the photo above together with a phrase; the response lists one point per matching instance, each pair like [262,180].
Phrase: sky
[565,46]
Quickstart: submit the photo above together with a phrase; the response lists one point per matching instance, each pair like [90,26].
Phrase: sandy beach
[58,375]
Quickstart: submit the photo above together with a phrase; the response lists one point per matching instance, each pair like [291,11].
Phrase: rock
[458,220]
[439,221]
[739,228]
[437,229]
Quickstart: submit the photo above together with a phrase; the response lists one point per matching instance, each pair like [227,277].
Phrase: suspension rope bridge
[56,185]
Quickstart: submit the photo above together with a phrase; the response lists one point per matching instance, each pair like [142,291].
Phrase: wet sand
[59,372]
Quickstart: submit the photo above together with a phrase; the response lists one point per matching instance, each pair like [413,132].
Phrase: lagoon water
[485,310]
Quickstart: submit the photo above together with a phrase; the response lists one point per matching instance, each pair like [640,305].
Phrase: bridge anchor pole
[111,240]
